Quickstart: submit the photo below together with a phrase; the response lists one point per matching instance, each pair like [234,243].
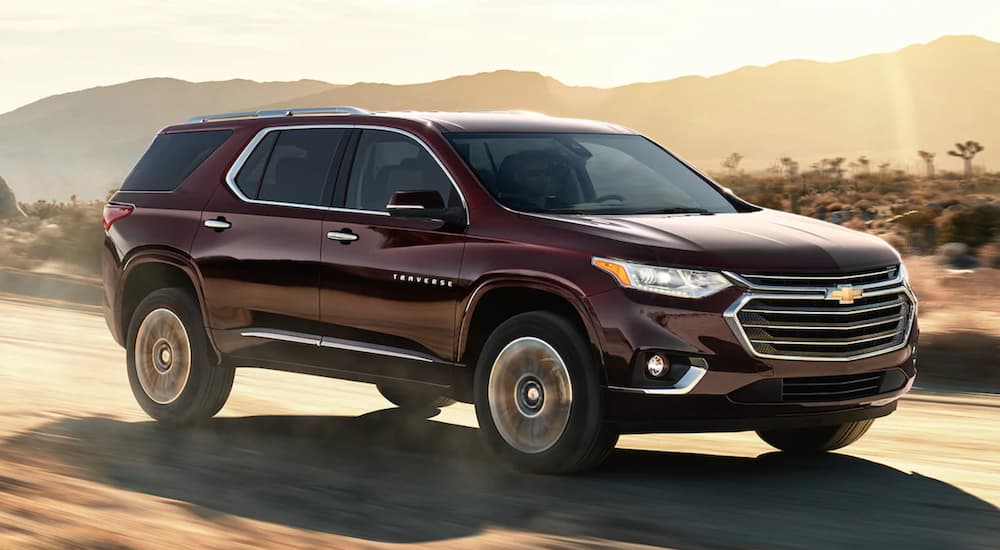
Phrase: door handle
[218,224]
[344,236]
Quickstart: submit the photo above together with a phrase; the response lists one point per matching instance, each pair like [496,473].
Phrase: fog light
[656,366]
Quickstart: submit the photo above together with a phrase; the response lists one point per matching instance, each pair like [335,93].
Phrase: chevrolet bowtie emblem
[845,293]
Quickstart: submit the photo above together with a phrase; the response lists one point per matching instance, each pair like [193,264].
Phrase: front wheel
[169,366]
[817,439]
[538,396]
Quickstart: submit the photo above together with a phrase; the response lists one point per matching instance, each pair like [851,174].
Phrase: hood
[761,241]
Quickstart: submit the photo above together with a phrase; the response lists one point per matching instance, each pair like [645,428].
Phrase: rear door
[259,245]
[389,286]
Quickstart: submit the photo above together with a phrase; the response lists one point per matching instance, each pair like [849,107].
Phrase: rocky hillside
[885,106]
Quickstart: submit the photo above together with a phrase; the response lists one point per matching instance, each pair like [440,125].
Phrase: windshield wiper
[674,211]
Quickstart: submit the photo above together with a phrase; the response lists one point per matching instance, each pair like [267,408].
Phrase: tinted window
[586,174]
[300,166]
[387,162]
[171,159]
[252,172]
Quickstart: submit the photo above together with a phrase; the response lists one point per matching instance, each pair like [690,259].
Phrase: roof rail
[345,110]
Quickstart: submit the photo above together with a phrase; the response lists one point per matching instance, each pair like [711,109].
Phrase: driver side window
[387,162]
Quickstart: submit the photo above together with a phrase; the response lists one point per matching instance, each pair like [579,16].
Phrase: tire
[536,371]
[816,440]
[414,396]
[170,367]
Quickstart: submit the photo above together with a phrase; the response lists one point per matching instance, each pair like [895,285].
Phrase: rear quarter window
[171,159]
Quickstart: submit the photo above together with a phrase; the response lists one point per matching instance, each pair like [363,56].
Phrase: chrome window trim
[730,315]
[248,150]
[895,282]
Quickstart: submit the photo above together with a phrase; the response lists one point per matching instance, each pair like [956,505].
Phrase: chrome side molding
[350,345]
[339,343]
[282,336]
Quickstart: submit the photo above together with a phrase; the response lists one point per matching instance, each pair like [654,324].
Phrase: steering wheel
[611,197]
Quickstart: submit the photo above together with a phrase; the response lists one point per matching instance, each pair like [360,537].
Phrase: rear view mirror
[424,203]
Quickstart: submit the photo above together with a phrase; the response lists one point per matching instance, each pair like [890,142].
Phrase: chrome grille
[790,316]
[884,276]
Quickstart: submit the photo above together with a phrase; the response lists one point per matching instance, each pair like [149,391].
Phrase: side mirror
[424,203]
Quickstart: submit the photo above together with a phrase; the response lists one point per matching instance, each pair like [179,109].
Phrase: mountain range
[885,106]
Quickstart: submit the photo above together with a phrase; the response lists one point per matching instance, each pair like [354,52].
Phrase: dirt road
[295,461]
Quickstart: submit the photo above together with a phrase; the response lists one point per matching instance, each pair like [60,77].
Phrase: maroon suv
[572,279]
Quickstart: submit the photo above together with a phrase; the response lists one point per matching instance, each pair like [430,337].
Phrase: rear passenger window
[171,159]
[293,166]
[387,162]
[252,172]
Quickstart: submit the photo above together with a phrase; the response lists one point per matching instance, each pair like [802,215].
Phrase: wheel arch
[151,269]
[496,300]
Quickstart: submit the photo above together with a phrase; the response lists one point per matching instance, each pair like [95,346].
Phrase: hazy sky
[54,46]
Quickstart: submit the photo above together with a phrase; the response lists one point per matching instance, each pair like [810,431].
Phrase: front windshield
[586,174]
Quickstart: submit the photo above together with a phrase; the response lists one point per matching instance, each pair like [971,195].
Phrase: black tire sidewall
[185,407]
[817,439]
[586,420]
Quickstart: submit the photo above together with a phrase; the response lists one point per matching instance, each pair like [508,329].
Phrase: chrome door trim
[338,343]
[248,150]
[387,351]
[282,336]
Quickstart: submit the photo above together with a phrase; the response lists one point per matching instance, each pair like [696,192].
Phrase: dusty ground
[959,324]
[305,462]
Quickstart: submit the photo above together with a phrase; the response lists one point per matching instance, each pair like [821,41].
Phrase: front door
[389,286]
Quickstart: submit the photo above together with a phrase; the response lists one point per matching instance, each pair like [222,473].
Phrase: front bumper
[632,413]
[632,323]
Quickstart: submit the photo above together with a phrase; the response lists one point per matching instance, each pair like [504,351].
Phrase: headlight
[672,281]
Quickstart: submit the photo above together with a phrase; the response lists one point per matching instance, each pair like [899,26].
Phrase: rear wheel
[818,439]
[413,396]
[169,364]
[538,396]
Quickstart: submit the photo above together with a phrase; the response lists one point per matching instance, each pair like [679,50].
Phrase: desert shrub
[974,226]
[43,210]
[856,224]
[917,219]
[70,233]
[983,184]
[899,242]
[920,229]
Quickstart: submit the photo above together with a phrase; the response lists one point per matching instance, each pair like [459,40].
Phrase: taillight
[115,212]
